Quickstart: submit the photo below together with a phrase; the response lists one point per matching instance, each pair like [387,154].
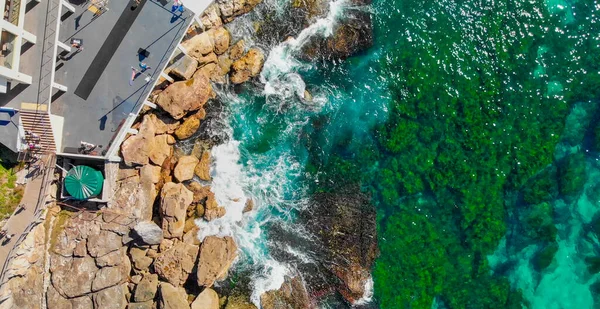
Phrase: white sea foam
[280,68]
[368,296]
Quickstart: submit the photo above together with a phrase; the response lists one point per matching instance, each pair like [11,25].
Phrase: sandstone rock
[185,168]
[199,45]
[175,199]
[185,67]
[83,302]
[202,169]
[239,302]
[107,277]
[164,123]
[249,205]
[103,243]
[145,305]
[139,259]
[345,225]
[162,148]
[208,299]
[135,197]
[212,210]
[216,256]
[80,249]
[200,114]
[56,301]
[172,297]
[210,58]
[111,298]
[191,236]
[189,225]
[291,295]
[208,71]
[165,245]
[111,259]
[199,210]
[237,50]
[150,172]
[72,277]
[200,192]
[232,8]
[222,39]
[185,96]
[146,289]
[188,128]
[211,17]
[149,232]
[176,264]
[125,173]
[224,63]
[136,148]
[135,279]
[247,66]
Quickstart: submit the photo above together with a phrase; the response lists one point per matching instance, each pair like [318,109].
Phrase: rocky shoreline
[142,251]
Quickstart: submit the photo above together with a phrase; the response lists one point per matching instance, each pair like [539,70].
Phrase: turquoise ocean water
[473,126]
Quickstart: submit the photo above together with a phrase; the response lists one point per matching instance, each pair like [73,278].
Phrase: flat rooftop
[100,91]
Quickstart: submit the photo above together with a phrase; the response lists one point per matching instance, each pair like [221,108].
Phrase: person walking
[177,7]
[144,67]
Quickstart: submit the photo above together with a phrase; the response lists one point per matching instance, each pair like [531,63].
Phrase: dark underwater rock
[344,224]
[571,175]
[352,34]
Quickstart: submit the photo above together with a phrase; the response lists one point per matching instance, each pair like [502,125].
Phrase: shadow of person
[103,122]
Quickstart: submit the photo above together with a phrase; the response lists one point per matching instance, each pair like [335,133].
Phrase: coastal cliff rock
[176,264]
[352,33]
[208,299]
[149,232]
[188,128]
[184,170]
[146,289]
[161,148]
[291,295]
[185,96]
[345,226]
[216,256]
[211,17]
[231,8]
[247,66]
[172,297]
[175,199]
[202,169]
[137,148]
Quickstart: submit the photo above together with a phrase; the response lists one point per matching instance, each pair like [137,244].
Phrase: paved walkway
[21,221]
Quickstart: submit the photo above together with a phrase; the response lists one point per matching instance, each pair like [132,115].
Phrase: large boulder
[137,148]
[72,277]
[185,67]
[103,243]
[140,261]
[184,170]
[162,148]
[146,289]
[172,297]
[188,128]
[247,66]
[163,123]
[212,210]
[149,232]
[216,256]
[344,224]
[135,196]
[185,96]
[199,45]
[351,34]
[211,17]
[208,299]
[175,199]
[221,39]
[176,264]
[231,8]
[291,295]
[202,169]
[111,298]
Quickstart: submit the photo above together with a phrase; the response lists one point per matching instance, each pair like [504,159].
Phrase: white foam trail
[282,62]
[368,295]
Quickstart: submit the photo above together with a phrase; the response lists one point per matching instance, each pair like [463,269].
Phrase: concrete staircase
[35,119]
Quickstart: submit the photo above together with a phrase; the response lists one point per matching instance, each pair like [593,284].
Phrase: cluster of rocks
[211,55]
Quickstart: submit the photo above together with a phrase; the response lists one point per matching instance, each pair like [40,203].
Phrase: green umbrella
[83,182]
